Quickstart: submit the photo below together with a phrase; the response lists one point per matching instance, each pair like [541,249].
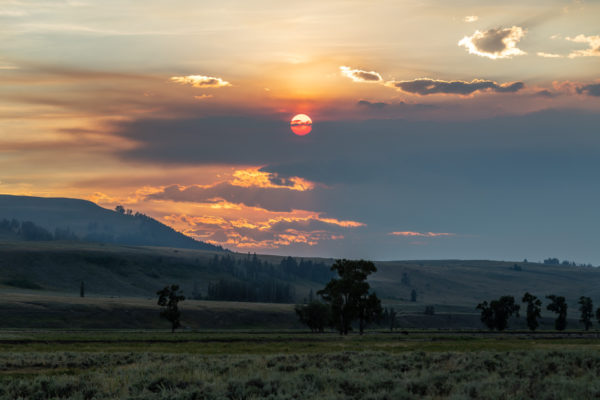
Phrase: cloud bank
[426,86]
[591,89]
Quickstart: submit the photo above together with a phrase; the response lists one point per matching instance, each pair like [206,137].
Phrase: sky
[441,129]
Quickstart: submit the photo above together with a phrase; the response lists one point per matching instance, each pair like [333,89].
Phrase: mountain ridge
[89,222]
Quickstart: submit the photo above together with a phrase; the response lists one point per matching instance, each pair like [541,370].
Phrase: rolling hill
[50,273]
[86,221]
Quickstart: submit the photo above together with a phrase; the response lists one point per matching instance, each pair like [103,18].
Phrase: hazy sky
[441,129]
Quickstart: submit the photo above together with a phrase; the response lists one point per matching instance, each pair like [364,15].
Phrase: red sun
[301,124]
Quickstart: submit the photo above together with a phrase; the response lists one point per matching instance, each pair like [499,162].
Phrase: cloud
[250,187]
[200,81]
[254,177]
[225,193]
[545,93]
[590,90]
[203,96]
[421,234]
[372,105]
[426,86]
[495,43]
[471,18]
[592,51]
[358,75]
[267,233]
[548,55]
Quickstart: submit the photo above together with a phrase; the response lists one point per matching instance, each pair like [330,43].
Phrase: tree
[495,315]
[587,310]
[429,310]
[534,309]
[82,290]
[392,321]
[120,209]
[315,315]
[413,295]
[487,314]
[349,295]
[558,306]
[369,310]
[598,314]
[169,297]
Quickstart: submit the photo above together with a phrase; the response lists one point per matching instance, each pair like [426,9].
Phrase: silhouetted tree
[558,306]
[369,310]
[495,315]
[598,314]
[389,318]
[534,309]
[82,290]
[169,297]
[429,310]
[552,261]
[315,315]
[487,314]
[413,295]
[349,295]
[120,209]
[587,311]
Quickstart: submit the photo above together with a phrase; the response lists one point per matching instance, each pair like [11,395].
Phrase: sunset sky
[441,129]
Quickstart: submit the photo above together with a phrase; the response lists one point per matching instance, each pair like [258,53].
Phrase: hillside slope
[50,273]
[140,271]
[468,282]
[90,222]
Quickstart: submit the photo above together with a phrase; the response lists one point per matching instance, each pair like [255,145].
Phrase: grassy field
[287,365]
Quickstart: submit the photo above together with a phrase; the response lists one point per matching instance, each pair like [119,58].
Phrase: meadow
[294,365]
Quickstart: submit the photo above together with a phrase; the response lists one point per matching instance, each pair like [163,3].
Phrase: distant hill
[83,220]
[465,283]
[38,269]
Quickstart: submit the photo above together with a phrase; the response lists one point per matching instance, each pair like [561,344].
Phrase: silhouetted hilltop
[38,218]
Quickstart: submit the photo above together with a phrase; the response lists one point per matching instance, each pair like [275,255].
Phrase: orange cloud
[421,234]
[253,177]
[257,232]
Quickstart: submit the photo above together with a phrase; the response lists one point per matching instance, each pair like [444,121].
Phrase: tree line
[496,313]
[28,231]
[253,268]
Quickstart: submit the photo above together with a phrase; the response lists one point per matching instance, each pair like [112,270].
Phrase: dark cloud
[506,179]
[424,86]
[545,93]
[590,90]
[372,105]
[494,43]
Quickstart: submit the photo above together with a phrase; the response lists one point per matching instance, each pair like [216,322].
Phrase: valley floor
[290,365]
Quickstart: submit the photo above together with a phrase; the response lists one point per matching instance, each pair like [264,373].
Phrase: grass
[218,343]
[292,365]
[414,374]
